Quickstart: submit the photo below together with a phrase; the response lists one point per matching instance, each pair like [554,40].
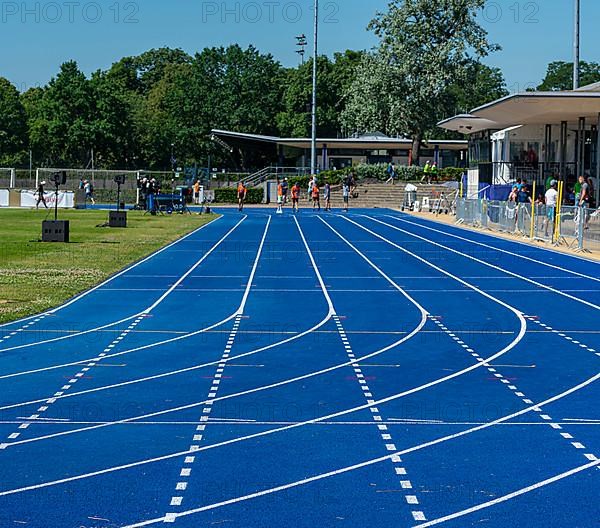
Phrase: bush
[451,174]
[229,195]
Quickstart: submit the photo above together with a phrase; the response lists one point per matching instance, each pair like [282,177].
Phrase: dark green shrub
[229,195]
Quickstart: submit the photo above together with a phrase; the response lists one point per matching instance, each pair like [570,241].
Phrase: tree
[559,75]
[425,48]
[228,87]
[13,125]
[334,79]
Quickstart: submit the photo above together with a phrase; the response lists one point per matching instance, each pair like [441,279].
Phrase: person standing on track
[242,192]
[279,197]
[327,196]
[316,196]
[346,193]
[295,196]
[285,188]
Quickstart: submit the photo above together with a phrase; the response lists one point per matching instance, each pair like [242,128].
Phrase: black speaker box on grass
[117,219]
[55,231]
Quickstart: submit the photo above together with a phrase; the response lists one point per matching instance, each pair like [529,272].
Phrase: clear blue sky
[37,41]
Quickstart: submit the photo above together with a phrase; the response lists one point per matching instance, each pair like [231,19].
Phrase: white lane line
[483,262]
[398,466]
[318,477]
[524,257]
[188,463]
[37,318]
[514,389]
[143,312]
[523,323]
[536,321]
[75,379]
[512,495]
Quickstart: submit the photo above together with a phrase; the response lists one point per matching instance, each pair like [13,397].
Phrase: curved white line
[316,420]
[493,266]
[305,481]
[330,314]
[112,277]
[524,257]
[512,495]
[143,312]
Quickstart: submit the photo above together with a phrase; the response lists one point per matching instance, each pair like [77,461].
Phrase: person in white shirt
[551,202]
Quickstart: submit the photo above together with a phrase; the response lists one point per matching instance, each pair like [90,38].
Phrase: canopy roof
[368,142]
[529,108]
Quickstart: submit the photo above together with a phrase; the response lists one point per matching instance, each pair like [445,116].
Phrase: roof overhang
[365,143]
[528,108]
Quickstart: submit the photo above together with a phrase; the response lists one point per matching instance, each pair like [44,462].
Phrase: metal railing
[504,172]
[571,226]
[273,172]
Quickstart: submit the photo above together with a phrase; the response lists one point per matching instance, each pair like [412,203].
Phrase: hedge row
[229,195]
[378,172]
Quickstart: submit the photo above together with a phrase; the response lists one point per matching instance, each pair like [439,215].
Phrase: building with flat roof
[336,153]
[533,136]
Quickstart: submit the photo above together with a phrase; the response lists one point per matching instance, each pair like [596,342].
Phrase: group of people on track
[314,193]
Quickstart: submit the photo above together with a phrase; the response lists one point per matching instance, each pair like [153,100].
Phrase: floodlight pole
[313,154]
[576,42]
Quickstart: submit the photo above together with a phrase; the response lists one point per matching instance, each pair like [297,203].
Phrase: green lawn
[36,276]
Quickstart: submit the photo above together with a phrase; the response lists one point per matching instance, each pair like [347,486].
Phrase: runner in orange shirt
[279,197]
[295,197]
[316,196]
[241,195]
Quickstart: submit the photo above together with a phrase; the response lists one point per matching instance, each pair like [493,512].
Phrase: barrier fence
[572,226]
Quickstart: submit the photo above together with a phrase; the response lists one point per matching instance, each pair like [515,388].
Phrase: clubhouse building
[337,153]
[533,136]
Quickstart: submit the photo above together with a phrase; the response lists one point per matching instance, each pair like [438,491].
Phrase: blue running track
[363,370]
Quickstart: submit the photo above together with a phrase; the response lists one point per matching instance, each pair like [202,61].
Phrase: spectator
[391,172]
[426,173]
[197,192]
[524,196]
[551,203]
[40,195]
[433,172]
[89,191]
[584,200]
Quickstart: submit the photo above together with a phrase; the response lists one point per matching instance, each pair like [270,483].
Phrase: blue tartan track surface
[368,370]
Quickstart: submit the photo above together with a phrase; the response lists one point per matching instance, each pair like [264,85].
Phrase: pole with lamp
[576,47]
[313,153]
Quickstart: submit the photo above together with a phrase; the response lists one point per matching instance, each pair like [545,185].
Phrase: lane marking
[512,495]
[398,466]
[77,298]
[475,259]
[525,257]
[367,463]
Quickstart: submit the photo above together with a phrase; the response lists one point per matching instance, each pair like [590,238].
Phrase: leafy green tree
[425,48]
[62,130]
[334,79]
[13,125]
[559,75]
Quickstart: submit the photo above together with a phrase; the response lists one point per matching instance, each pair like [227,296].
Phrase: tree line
[427,66]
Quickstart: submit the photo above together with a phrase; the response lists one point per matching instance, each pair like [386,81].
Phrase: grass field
[36,276]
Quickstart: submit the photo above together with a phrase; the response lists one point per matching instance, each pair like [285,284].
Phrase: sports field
[364,370]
